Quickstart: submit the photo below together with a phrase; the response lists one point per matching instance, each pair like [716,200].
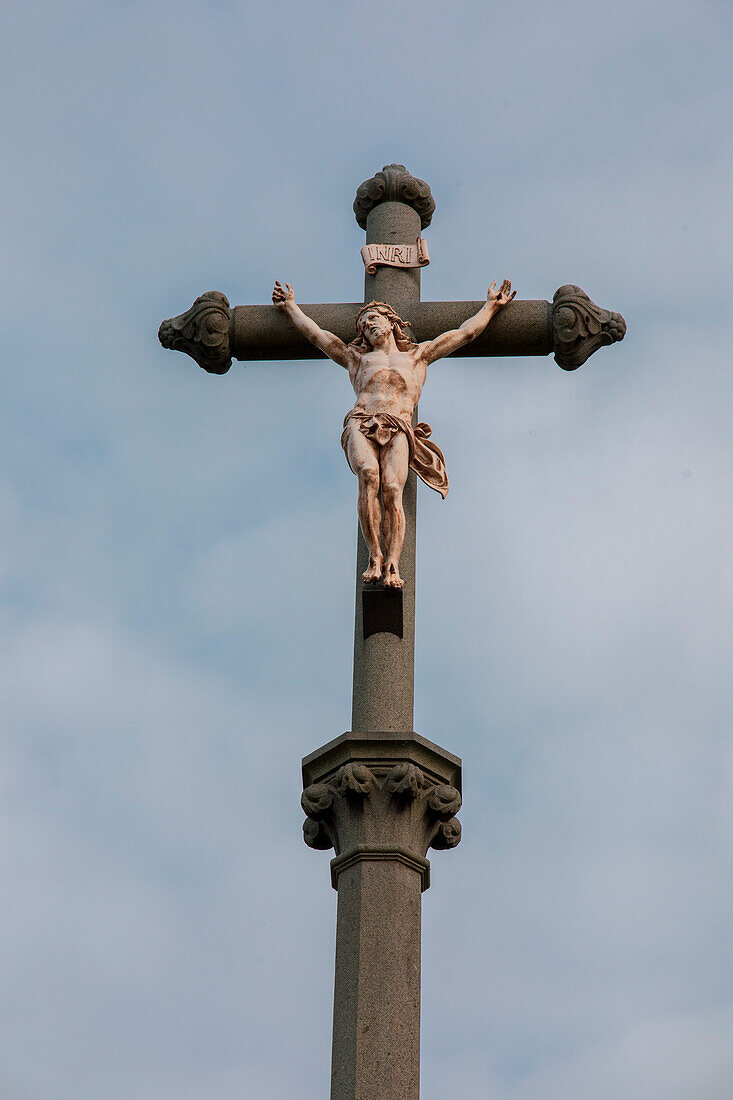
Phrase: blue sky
[168,540]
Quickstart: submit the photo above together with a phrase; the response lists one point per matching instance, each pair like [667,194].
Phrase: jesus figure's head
[370,323]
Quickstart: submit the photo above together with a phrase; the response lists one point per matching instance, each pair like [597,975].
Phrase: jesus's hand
[503,296]
[282,295]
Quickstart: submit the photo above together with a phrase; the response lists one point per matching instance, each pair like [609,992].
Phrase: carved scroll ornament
[202,332]
[395,255]
[580,327]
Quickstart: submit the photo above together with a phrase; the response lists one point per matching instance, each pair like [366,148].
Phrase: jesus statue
[387,371]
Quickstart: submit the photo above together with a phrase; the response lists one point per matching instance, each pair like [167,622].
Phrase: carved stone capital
[381,797]
[202,332]
[394,184]
[580,327]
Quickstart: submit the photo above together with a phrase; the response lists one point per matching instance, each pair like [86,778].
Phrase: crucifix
[381,795]
[388,371]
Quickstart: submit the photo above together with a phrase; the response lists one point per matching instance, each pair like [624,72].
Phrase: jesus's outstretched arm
[449,342]
[284,298]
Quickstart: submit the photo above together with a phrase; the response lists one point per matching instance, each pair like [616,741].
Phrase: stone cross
[381,794]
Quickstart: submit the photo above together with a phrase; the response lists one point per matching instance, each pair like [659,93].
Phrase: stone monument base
[380,800]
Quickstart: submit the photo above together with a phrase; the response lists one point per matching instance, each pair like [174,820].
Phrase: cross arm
[572,326]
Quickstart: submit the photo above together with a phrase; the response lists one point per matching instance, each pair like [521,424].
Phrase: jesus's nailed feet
[392,578]
[374,572]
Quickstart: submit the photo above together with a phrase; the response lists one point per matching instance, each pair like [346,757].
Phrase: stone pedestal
[380,799]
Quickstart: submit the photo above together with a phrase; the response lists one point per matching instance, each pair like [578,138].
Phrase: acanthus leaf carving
[448,835]
[389,809]
[580,327]
[316,835]
[405,781]
[354,780]
[444,802]
[317,800]
[202,332]
[394,184]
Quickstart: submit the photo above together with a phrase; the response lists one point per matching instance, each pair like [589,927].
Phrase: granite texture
[522,328]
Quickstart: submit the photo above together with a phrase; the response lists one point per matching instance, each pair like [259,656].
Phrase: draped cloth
[426,457]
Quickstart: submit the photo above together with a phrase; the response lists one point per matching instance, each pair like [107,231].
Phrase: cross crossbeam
[571,326]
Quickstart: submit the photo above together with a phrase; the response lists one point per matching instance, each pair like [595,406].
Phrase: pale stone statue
[387,371]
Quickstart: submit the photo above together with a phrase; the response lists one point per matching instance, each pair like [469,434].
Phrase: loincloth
[426,457]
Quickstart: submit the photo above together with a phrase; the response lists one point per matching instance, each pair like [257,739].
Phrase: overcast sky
[177,549]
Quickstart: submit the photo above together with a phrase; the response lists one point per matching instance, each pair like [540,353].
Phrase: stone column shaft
[376,1003]
[393,223]
[384,664]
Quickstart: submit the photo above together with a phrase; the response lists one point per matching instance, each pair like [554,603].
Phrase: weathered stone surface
[376,1003]
[380,799]
[580,327]
[392,222]
[522,328]
[202,332]
[394,184]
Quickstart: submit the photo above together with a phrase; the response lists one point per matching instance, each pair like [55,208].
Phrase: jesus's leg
[363,458]
[395,464]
